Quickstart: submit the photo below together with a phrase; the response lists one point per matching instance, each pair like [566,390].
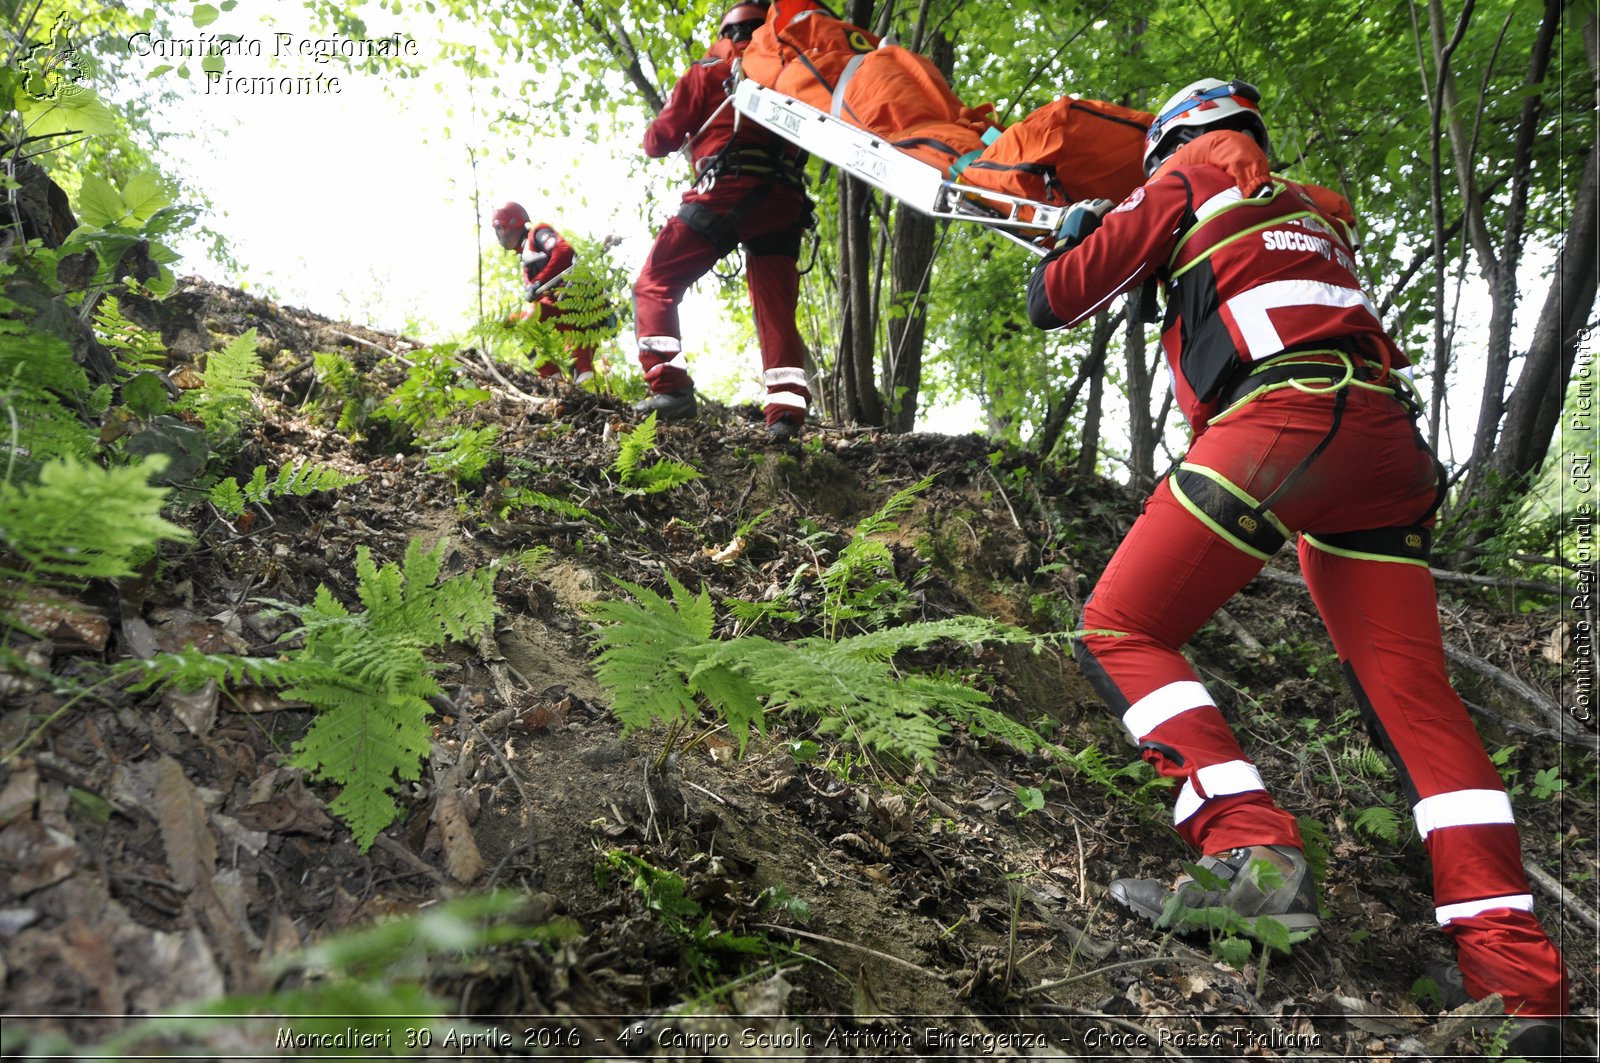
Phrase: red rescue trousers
[770,229]
[1179,565]
[545,309]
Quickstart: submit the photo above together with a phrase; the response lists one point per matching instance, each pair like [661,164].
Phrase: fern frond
[299,479]
[227,394]
[634,478]
[640,660]
[227,497]
[83,522]
[135,349]
[39,386]
[1379,821]
[363,743]
[884,519]
[367,677]
[189,669]
[523,498]
[633,447]
[463,453]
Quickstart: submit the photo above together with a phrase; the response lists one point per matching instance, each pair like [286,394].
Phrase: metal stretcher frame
[874,160]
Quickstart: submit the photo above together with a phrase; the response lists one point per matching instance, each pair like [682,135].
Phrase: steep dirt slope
[156,851]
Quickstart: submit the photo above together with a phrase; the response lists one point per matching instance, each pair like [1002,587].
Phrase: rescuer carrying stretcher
[749,190]
[1303,425]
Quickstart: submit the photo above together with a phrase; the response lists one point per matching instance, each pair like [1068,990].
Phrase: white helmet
[1206,104]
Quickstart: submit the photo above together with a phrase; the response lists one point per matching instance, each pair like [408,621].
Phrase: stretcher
[874,160]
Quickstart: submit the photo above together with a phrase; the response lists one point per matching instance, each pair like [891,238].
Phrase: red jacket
[545,254]
[1245,278]
[700,95]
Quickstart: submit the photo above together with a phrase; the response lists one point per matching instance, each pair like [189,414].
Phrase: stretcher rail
[873,159]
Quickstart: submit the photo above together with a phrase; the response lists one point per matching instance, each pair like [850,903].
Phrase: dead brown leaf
[181,815]
[37,855]
[461,856]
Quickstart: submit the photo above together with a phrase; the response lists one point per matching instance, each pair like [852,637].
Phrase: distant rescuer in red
[749,189]
[1302,424]
[546,257]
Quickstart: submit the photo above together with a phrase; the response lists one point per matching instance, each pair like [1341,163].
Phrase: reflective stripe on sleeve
[786,398]
[1162,704]
[660,343]
[1462,808]
[1519,902]
[1216,780]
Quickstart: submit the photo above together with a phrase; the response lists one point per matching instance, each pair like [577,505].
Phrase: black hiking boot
[1535,1039]
[1260,882]
[783,430]
[670,405]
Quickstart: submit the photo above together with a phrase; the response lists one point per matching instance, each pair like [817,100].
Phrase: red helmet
[510,223]
[742,21]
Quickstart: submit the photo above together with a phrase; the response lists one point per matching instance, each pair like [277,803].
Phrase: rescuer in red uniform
[749,190]
[1302,425]
[546,257]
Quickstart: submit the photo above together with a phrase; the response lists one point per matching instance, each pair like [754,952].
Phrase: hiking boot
[782,430]
[670,405]
[1534,1039]
[1282,889]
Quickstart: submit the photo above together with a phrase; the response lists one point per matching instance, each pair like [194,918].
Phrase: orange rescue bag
[1065,151]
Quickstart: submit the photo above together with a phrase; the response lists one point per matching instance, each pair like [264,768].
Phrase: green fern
[667,895]
[367,677]
[519,498]
[636,478]
[227,395]
[188,670]
[136,349]
[657,659]
[463,453]
[433,388]
[342,389]
[297,480]
[1380,822]
[534,558]
[81,522]
[41,388]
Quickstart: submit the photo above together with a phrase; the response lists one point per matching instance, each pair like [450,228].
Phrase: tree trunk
[911,265]
[1536,402]
[1142,431]
[913,244]
[1089,454]
[1055,419]
[858,393]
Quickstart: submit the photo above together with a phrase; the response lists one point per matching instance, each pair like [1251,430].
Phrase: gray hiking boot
[670,405]
[1263,881]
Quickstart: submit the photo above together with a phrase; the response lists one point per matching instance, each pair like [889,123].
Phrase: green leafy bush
[433,388]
